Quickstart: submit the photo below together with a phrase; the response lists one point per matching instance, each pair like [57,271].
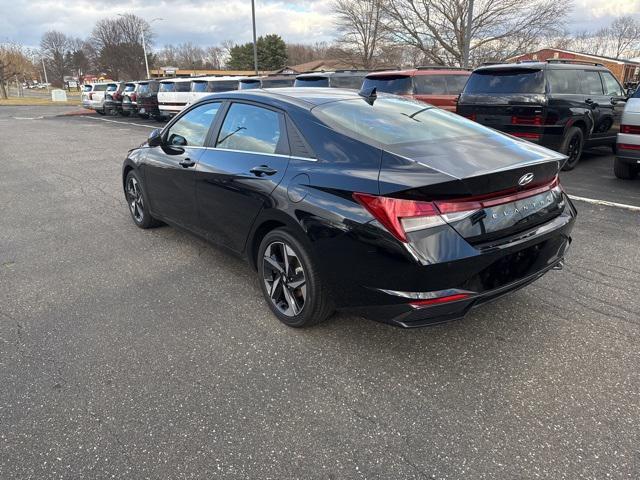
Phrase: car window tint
[591,84]
[250,128]
[564,81]
[129,87]
[311,82]
[87,88]
[222,85]
[393,121]
[248,84]
[456,83]
[347,81]
[517,80]
[430,85]
[200,86]
[611,85]
[112,87]
[277,82]
[100,88]
[167,87]
[398,84]
[193,126]
[182,86]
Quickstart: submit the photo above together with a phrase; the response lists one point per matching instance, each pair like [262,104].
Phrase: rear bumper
[483,276]
[129,107]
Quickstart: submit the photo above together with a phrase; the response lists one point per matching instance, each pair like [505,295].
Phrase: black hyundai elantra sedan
[373,204]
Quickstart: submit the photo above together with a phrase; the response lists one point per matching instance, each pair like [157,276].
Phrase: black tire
[125,113]
[143,115]
[572,145]
[137,202]
[311,298]
[101,112]
[624,170]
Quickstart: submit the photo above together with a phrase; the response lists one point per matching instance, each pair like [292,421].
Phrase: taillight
[434,301]
[133,97]
[91,96]
[633,129]
[526,135]
[400,216]
[628,146]
[526,120]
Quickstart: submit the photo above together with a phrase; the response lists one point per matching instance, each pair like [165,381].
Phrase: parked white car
[627,162]
[173,95]
[93,96]
[203,86]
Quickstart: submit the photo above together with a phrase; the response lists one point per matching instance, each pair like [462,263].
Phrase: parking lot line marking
[606,203]
[123,123]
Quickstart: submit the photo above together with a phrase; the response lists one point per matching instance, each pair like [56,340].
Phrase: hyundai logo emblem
[525,179]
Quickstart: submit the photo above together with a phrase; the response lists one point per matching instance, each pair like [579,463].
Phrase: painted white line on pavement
[123,123]
[633,208]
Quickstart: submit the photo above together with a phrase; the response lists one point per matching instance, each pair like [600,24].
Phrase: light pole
[467,36]
[144,46]
[45,71]
[255,45]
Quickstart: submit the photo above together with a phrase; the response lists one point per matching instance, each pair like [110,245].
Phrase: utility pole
[467,36]
[46,80]
[255,45]
[144,51]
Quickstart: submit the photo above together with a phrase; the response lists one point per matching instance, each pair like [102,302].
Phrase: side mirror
[155,138]
[176,140]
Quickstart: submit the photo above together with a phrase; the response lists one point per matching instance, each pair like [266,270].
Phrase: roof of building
[587,55]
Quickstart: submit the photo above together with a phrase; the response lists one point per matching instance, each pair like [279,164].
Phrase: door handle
[187,162]
[591,103]
[263,170]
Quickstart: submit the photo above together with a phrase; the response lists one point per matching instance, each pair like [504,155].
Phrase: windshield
[167,87]
[277,82]
[397,84]
[518,80]
[223,86]
[129,87]
[87,88]
[112,87]
[200,86]
[312,82]
[393,121]
[347,81]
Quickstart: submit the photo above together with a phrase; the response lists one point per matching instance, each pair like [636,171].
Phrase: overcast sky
[210,22]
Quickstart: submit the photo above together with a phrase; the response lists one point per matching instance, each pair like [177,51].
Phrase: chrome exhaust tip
[559,265]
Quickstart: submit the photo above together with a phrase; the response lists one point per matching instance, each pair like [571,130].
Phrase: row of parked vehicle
[563,105]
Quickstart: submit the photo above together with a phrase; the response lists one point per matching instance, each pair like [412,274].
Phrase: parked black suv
[562,105]
[148,99]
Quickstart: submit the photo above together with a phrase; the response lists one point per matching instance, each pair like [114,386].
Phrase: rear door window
[167,87]
[591,83]
[222,85]
[277,82]
[251,129]
[396,84]
[430,84]
[100,88]
[199,86]
[346,81]
[564,81]
[517,80]
[182,86]
[611,85]
[456,83]
[312,82]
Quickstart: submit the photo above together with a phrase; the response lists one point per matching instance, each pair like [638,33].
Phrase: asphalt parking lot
[149,354]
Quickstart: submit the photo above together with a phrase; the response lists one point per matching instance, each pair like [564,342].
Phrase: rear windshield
[167,87]
[277,82]
[248,84]
[395,121]
[129,87]
[222,86]
[312,82]
[182,86]
[200,86]
[439,84]
[112,87]
[347,81]
[506,81]
[100,88]
[397,84]
[87,88]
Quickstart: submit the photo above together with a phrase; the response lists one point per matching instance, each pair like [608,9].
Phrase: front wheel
[137,202]
[125,113]
[571,146]
[290,282]
[624,170]
[101,112]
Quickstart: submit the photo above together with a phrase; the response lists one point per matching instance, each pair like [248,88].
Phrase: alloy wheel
[135,200]
[284,278]
[573,149]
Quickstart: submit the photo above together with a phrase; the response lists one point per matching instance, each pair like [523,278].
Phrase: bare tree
[298,53]
[502,28]
[361,24]
[53,46]
[190,56]
[214,57]
[13,63]
[623,36]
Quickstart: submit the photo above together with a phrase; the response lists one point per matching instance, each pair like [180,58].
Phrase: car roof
[333,73]
[543,66]
[412,72]
[304,97]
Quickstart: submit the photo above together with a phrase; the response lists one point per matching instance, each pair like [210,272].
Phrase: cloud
[199,21]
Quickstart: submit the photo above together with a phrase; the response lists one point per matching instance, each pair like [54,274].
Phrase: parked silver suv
[627,162]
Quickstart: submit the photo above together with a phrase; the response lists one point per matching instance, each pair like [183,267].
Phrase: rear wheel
[143,115]
[137,202]
[101,112]
[125,113]
[624,170]
[290,282]
[571,146]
